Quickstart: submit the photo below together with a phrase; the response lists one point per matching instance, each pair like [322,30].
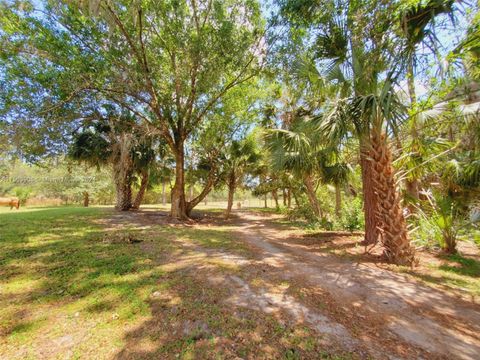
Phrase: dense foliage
[360,114]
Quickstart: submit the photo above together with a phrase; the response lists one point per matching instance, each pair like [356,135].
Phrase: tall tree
[113,140]
[352,41]
[240,155]
[417,26]
[169,62]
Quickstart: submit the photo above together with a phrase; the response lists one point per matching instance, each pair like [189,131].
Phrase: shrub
[23,194]
[352,215]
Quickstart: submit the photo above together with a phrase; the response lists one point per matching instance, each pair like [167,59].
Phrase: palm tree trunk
[295,197]
[275,198]
[124,195]
[369,197]
[284,197]
[123,182]
[231,192]
[338,201]
[312,196]
[86,199]
[390,217]
[178,209]
[141,191]
[289,198]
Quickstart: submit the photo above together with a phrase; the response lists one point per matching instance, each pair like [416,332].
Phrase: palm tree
[303,153]
[113,140]
[417,25]
[354,46]
[239,157]
[143,157]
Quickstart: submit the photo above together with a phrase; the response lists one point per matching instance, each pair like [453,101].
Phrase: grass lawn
[70,290]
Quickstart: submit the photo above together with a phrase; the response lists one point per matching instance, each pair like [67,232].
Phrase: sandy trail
[420,315]
[428,322]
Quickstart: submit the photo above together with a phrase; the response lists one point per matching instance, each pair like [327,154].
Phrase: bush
[302,212]
[23,194]
[444,222]
[352,215]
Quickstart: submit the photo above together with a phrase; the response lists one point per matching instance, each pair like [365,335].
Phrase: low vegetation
[222,153]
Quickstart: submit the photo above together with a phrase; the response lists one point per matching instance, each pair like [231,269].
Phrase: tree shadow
[464,266]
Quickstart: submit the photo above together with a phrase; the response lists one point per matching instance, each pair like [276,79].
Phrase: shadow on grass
[55,263]
[466,266]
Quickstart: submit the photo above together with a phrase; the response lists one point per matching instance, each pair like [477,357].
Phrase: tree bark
[289,198]
[338,201]
[141,191]
[275,198]
[312,196]
[284,197]
[390,219]
[124,194]
[86,199]
[123,172]
[178,208]
[206,190]
[265,201]
[295,197]
[369,197]
[231,193]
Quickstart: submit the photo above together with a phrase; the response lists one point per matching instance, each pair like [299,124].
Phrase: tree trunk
[141,191]
[86,199]
[203,194]
[231,193]
[295,197]
[412,190]
[338,201]
[178,208]
[275,198]
[265,201]
[123,172]
[289,198]
[124,195]
[164,194]
[369,197]
[284,194]
[390,219]
[312,196]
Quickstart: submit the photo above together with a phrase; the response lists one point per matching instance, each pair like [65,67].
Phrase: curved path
[437,322]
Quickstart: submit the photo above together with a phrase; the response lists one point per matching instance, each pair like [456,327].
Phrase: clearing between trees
[108,285]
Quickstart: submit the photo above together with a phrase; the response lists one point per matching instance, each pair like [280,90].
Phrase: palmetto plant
[304,153]
[355,48]
[112,140]
[416,22]
[373,117]
[240,156]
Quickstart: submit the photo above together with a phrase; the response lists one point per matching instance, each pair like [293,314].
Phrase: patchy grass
[70,288]
[455,272]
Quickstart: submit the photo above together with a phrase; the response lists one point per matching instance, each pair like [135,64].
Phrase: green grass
[67,288]
[455,271]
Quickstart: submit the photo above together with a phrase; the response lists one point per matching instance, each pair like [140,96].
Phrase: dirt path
[424,317]
[363,309]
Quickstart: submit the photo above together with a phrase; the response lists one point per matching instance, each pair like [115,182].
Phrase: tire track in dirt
[394,296]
